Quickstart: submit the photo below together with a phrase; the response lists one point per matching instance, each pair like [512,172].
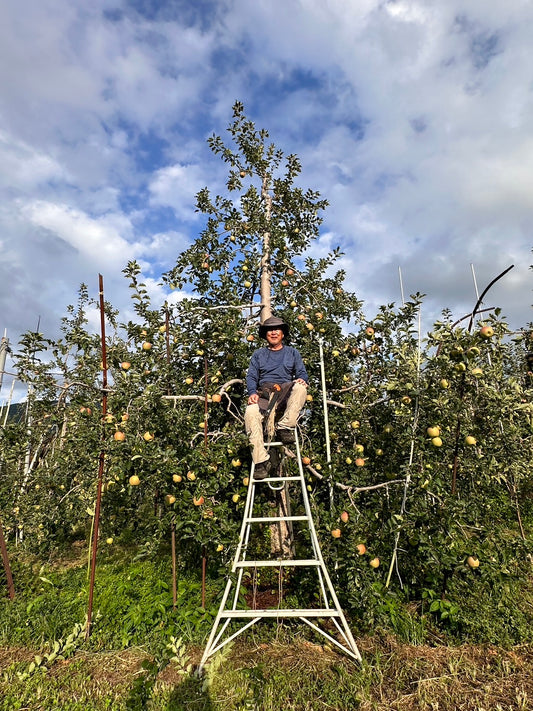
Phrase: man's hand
[253,399]
[301,381]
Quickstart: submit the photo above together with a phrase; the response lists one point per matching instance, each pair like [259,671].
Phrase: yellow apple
[360,548]
[109,541]
[176,478]
[470,440]
[198,501]
[355,424]
[486,332]
[345,516]
[359,462]
[125,365]
[472,561]
[191,476]
[336,533]
[170,499]
[146,346]
[134,480]
[148,436]
[436,442]
[433,431]
[119,436]
[374,563]
[235,498]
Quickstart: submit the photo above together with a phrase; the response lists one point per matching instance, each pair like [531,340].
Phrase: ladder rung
[281,613]
[273,519]
[276,563]
[276,478]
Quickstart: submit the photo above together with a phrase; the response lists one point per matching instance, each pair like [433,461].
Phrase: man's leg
[295,404]
[253,422]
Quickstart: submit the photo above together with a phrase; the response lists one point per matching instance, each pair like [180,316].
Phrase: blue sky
[412,118]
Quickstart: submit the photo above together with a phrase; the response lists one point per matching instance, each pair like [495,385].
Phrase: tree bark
[281,534]
[265,286]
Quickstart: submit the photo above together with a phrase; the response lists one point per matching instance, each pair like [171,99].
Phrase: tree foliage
[424,507]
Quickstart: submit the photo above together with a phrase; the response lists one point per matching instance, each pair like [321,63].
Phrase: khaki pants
[253,421]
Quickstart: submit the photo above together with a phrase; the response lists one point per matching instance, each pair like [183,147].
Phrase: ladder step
[276,478]
[276,563]
[230,614]
[274,519]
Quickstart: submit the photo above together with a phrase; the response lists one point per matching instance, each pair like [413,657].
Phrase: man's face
[274,336]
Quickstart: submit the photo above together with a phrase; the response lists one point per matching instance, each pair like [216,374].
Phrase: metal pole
[326,419]
[101,460]
[4,348]
[401,285]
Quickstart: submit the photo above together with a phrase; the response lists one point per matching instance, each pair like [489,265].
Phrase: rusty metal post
[101,461]
[5,558]
[204,567]
[173,545]
[206,384]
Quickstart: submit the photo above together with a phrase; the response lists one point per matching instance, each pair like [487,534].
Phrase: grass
[290,674]
[127,664]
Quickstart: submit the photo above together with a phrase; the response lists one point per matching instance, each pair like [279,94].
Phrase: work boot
[262,470]
[285,436]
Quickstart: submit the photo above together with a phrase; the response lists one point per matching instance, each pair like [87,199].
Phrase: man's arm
[300,373]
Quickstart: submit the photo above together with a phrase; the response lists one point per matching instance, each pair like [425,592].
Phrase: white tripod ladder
[229,611]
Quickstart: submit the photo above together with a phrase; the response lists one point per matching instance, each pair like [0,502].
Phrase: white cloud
[412,117]
[99,240]
[176,186]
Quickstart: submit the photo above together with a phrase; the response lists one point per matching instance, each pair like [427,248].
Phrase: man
[279,364]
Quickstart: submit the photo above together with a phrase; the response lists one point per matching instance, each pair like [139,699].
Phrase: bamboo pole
[101,461]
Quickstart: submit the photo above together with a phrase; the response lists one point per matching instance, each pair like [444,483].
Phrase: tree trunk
[266,265]
[281,534]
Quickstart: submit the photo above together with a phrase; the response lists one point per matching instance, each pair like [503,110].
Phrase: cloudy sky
[414,118]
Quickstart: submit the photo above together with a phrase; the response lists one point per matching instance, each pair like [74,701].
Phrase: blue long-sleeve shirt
[268,366]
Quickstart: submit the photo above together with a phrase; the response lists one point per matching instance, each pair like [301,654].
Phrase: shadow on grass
[189,695]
